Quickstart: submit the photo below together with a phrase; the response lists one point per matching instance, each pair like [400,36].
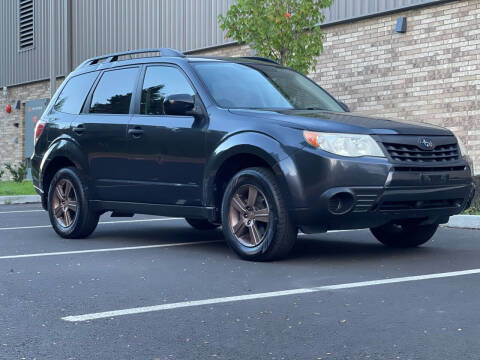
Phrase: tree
[284,30]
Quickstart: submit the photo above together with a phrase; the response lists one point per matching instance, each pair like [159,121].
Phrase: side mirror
[179,104]
[344,106]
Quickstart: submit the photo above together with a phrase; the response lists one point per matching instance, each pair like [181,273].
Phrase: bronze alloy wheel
[249,215]
[64,203]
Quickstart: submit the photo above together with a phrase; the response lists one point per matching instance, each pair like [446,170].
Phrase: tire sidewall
[69,174]
[250,177]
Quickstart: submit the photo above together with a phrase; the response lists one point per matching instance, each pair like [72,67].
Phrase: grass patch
[474,210]
[8,188]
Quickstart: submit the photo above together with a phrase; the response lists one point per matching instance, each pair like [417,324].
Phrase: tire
[201,224]
[264,231]
[406,235]
[84,220]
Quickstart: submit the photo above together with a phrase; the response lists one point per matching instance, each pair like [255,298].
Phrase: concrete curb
[464,222]
[20,199]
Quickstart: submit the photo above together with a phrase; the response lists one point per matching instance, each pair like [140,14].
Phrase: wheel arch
[239,152]
[62,153]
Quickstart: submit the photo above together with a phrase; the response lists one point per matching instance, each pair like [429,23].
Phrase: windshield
[258,86]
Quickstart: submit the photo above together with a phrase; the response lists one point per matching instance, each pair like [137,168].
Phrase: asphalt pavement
[154,288]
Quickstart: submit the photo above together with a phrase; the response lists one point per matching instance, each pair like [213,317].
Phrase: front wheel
[256,223]
[405,235]
[68,207]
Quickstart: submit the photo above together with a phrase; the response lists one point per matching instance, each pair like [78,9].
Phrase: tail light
[39,127]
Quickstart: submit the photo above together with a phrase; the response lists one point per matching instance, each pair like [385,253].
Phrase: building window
[25,24]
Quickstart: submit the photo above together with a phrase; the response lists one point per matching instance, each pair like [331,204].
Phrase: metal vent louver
[25,24]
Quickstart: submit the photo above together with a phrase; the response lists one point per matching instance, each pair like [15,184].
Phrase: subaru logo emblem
[426,143]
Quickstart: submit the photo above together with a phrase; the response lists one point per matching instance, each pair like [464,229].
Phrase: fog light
[340,203]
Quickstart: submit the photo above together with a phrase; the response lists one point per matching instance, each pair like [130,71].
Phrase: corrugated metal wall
[103,26]
[27,65]
[348,9]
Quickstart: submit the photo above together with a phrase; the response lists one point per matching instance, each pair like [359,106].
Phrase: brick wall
[12,138]
[431,73]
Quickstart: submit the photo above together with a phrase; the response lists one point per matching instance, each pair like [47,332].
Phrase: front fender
[262,146]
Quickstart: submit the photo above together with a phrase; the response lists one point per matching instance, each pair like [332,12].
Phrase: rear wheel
[201,224]
[68,207]
[404,235]
[256,223]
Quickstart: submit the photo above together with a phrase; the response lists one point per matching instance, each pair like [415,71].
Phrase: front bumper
[375,191]
[375,206]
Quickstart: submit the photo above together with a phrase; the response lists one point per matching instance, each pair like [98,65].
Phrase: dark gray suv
[241,143]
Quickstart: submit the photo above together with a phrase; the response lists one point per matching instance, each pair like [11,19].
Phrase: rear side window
[160,82]
[73,95]
[114,92]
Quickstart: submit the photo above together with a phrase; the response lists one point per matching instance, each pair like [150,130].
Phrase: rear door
[69,104]
[101,130]
[167,151]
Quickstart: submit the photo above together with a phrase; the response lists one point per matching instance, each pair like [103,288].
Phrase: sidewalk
[19,199]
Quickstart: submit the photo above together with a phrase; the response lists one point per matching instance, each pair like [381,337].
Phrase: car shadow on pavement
[150,236]
[357,249]
[349,246]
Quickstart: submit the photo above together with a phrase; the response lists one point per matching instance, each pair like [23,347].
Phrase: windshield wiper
[314,108]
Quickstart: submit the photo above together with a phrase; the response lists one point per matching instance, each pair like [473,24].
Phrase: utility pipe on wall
[52,46]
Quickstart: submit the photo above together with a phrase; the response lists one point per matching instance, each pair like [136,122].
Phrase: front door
[167,154]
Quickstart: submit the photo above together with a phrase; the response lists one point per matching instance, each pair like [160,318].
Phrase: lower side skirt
[197,212]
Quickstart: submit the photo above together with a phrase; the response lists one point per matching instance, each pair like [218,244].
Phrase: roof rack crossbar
[259,58]
[114,57]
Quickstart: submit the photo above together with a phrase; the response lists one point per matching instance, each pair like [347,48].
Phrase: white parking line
[21,211]
[101,222]
[106,249]
[184,304]
[332,231]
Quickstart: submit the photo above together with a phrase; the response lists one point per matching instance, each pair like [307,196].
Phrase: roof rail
[114,57]
[259,58]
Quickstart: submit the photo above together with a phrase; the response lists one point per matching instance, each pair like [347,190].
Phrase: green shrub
[475,208]
[283,30]
[18,173]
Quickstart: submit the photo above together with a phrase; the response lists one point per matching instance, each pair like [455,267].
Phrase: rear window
[73,95]
[113,93]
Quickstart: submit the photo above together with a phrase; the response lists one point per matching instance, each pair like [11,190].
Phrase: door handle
[136,132]
[79,129]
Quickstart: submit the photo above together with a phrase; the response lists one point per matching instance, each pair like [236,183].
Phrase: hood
[317,120]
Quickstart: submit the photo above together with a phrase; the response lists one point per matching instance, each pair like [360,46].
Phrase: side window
[160,82]
[114,92]
[73,95]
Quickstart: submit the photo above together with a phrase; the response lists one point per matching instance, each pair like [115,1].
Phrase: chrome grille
[413,154]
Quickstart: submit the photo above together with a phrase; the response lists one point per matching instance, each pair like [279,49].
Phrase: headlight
[462,147]
[351,145]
